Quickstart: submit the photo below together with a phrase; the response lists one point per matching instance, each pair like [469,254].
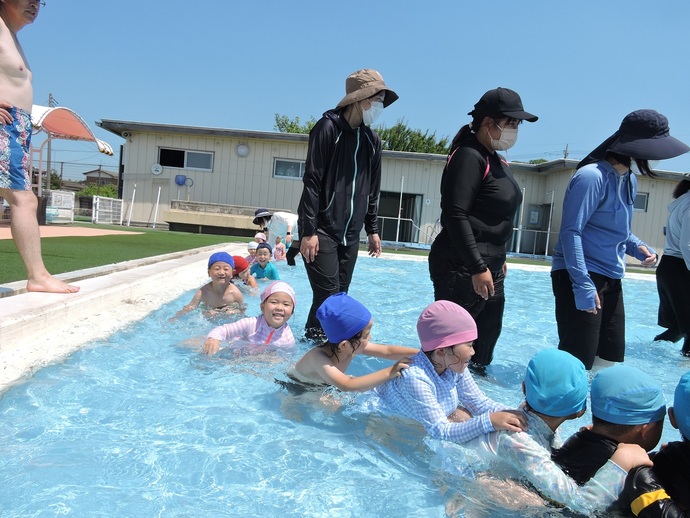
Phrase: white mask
[369,116]
[507,139]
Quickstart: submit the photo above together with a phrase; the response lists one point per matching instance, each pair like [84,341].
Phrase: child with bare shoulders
[270,328]
[279,250]
[347,324]
[219,295]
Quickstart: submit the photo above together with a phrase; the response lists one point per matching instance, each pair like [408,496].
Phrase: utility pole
[565,152]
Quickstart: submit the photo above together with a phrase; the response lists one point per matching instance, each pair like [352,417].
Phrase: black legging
[673,285]
[329,273]
[454,283]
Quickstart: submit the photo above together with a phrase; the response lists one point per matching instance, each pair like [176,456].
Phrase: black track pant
[330,272]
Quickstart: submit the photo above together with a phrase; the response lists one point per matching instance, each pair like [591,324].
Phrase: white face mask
[369,116]
[507,139]
[635,169]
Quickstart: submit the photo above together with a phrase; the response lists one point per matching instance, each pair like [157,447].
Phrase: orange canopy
[63,123]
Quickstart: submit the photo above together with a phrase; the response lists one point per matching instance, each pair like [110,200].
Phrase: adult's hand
[309,247]
[483,284]
[288,239]
[597,305]
[650,259]
[374,245]
[5,116]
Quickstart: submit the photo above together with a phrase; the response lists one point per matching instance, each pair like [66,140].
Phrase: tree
[55,181]
[400,137]
[105,191]
[287,125]
[396,138]
[538,161]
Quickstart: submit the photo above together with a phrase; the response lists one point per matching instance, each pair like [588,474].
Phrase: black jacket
[477,208]
[342,179]
[647,498]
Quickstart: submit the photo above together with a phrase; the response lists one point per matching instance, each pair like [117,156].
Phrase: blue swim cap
[626,395]
[221,257]
[342,317]
[681,405]
[556,383]
[266,246]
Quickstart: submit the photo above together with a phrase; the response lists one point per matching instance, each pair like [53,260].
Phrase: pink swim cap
[278,286]
[444,324]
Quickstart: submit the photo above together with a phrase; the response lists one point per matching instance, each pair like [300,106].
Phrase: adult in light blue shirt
[596,234]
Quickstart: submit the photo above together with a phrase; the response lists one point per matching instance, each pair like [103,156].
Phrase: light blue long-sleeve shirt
[678,229]
[596,229]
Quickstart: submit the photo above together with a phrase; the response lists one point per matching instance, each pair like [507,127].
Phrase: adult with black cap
[341,189]
[283,224]
[595,236]
[479,198]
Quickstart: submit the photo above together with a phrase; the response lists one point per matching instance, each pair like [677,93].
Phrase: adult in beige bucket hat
[341,189]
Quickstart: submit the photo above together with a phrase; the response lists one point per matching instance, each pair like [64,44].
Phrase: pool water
[142,424]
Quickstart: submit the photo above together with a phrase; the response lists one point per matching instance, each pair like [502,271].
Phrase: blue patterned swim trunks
[15,139]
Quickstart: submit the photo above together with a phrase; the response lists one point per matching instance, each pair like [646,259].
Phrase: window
[641,202]
[289,169]
[181,159]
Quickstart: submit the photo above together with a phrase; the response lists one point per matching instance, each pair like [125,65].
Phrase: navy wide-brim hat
[261,213]
[643,134]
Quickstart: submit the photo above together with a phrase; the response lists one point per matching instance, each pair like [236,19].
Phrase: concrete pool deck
[37,329]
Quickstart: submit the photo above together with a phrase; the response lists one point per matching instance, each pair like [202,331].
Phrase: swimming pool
[140,424]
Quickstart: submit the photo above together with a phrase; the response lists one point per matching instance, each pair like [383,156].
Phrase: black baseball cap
[499,103]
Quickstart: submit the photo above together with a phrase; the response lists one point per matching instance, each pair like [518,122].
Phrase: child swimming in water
[347,324]
[241,273]
[269,328]
[220,294]
[263,268]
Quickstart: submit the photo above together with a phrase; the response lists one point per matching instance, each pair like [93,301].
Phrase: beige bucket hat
[363,84]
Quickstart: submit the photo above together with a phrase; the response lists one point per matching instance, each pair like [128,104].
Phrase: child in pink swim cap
[438,390]
[347,324]
[270,328]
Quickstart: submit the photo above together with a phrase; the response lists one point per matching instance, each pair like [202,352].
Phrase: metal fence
[107,211]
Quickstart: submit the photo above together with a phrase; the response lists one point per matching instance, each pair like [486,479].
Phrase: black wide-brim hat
[261,213]
[643,134]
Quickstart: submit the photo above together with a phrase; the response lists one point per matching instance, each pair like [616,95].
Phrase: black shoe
[669,336]
[315,333]
[478,369]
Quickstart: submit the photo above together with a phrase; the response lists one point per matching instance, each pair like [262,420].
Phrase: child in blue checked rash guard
[555,388]
[431,389]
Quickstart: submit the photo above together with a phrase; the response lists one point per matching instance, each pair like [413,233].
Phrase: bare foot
[50,285]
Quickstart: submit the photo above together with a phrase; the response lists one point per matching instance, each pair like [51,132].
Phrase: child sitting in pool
[438,381]
[269,328]
[347,325]
[555,388]
[279,250]
[219,295]
[263,268]
[251,252]
[242,275]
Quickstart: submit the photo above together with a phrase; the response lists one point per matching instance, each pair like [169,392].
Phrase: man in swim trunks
[16,98]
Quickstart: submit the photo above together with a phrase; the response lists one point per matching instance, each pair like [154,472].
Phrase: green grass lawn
[67,254]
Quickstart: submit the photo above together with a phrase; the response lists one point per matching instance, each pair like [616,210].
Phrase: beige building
[162,163]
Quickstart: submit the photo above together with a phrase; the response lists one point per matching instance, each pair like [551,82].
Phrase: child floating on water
[438,381]
[220,294]
[270,328]
[263,268]
[347,324]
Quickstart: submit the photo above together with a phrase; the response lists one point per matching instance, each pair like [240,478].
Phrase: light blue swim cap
[556,383]
[681,405]
[626,395]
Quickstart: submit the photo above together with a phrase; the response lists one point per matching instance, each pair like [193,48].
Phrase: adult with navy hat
[479,198]
[342,179]
[283,224]
[596,234]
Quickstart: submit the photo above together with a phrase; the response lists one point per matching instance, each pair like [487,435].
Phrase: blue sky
[580,66]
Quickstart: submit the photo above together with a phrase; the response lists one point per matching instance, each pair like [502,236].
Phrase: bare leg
[27,238]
